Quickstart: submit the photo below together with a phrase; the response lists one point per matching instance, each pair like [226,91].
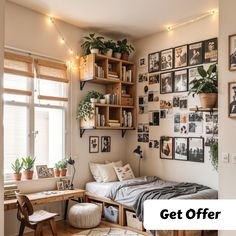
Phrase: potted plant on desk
[63,167]
[57,170]
[92,44]
[28,164]
[17,167]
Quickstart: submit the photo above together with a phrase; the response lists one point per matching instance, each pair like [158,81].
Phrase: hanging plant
[85,110]
[214,155]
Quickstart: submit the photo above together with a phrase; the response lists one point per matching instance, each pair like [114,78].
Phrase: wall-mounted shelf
[210,110]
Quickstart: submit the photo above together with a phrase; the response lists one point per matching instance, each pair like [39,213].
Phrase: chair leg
[38,230]
[21,231]
[53,227]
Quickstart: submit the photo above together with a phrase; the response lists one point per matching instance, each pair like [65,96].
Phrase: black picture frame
[232,99]
[195,151]
[181,56]
[183,88]
[166,86]
[106,144]
[166,153]
[195,53]
[153,62]
[210,51]
[180,154]
[232,52]
[166,59]
[93,144]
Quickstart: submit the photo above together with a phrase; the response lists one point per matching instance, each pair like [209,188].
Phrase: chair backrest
[25,208]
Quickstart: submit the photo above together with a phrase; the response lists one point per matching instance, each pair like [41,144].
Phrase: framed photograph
[153,62]
[166,148]
[153,144]
[105,144]
[192,75]
[154,118]
[232,52]
[42,171]
[60,185]
[210,50]
[167,59]
[232,99]
[195,53]
[180,58]
[142,62]
[93,144]
[153,79]
[50,172]
[196,149]
[66,183]
[166,80]
[181,149]
[181,81]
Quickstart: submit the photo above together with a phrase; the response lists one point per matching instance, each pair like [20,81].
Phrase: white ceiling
[117,18]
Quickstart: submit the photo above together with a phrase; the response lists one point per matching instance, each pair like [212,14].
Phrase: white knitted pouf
[85,215]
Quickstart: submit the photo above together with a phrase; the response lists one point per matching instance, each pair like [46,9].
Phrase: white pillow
[95,171]
[107,172]
[116,163]
[124,173]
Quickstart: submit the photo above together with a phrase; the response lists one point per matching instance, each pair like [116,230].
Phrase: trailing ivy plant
[214,155]
[85,110]
[208,83]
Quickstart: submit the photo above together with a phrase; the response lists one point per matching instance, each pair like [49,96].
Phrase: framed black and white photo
[105,144]
[60,185]
[192,75]
[153,62]
[183,103]
[181,81]
[142,62]
[66,183]
[142,77]
[180,56]
[166,148]
[232,52]
[153,79]
[196,149]
[210,50]
[167,59]
[154,118]
[181,149]
[153,144]
[195,53]
[232,99]
[166,82]
[153,96]
[93,144]
[42,171]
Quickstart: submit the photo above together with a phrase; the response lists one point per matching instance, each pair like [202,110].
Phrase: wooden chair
[33,219]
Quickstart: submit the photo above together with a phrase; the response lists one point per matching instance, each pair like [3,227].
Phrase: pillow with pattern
[124,173]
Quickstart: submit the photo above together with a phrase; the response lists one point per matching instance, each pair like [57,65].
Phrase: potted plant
[109,46]
[28,163]
[206,87]
[57,170]
[214,155]
[93,96]
[92,44]
[125,49]
[17,167]
[63,167]
[117,51]
[102,99]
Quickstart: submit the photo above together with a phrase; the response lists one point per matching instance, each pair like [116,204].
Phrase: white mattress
[99,189]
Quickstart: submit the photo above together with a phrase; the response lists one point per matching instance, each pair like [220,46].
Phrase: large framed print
[196,149]
[166,148]
[195,53]
[180,81]
[232,99]
[181,149]
[167,59]
[210,50]
[153,62]
[180,56]
[166,82]
[232,52]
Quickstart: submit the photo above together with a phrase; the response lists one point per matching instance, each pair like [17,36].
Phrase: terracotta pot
[17,176]
[63,172]
[125,57]
[109,52]
[28,174]
[57,173]
[208,100]
[117,55]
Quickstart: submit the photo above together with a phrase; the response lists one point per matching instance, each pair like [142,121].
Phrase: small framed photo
[181,59]
[93,144]
[196,149]
[142,62]
[66,183]
[166,82]
[195,53]
[42,171]
[153,79]
[181,149]
[153,62]
[166,148]
[50,172]
[60,185]
[181,81]
[105,144]
[167,59]
[232,99]
[210,50]
[232,52]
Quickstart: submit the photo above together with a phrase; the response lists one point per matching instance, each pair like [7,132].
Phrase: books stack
[9,191]
[112,75]
[126,74]
[100,118]
[99,72]
[112,99]
[114,123]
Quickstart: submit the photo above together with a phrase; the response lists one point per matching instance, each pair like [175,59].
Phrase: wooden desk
[43,198]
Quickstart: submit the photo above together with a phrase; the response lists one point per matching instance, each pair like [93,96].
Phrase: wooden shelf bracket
[81,132]
[123,131]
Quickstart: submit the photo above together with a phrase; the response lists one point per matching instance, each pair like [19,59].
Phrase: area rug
[107,231]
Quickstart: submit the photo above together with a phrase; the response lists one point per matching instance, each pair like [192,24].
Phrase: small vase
[17,176]
[125,57]
[117,55]
[28,174]
[103,101]
[63,171]
[57,173]
[208,100]
[94,50]
[109,52]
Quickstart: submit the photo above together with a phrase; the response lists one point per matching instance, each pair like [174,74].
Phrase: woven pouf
[85,215]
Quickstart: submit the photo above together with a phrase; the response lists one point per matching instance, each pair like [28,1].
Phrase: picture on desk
[63,184]
[60,185]
[44,172]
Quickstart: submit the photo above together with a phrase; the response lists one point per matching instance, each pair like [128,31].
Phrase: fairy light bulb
[62,41]
[71,51]
[77,57]
[169,28]
[213,12]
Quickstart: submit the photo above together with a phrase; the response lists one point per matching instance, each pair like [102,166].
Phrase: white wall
[227,172]
[152,164]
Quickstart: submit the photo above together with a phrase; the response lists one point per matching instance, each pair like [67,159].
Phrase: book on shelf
[126,74]
[9,192]
[113,121]
[111,124]
[112,98]
[126,95]
[99,71]
[100,118]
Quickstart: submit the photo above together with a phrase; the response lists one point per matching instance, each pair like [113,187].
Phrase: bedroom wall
[152,164]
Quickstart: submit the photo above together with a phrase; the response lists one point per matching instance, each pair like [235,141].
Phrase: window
[34,110]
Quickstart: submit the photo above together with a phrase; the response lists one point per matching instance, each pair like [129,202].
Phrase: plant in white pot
[85,113]
[109,46]
[93,96]
[92,44]
[206,87]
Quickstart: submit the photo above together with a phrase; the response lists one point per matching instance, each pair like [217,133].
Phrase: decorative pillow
[116,163]
[95,171]
[124,173]
[107,172]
